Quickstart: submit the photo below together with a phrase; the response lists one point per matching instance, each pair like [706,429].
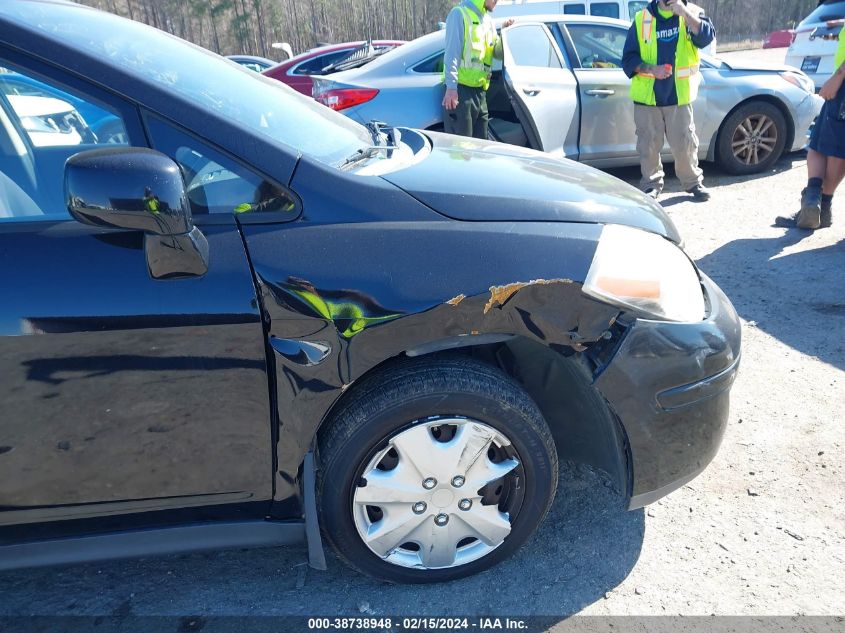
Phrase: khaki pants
[675,124]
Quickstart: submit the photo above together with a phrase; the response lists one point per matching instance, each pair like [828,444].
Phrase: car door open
[542,89]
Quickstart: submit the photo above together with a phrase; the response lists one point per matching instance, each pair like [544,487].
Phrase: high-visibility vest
[477,57]
[840,51]
[686,62]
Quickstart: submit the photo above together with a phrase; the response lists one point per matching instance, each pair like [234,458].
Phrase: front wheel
[752,138]
[435,471]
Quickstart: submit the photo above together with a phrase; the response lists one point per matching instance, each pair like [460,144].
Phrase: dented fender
[407,288]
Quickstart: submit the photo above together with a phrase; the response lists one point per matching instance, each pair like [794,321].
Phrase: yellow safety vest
[479,42]
[840,51]
[686,62]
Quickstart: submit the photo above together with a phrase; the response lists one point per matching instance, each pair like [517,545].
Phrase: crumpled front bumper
[669,385]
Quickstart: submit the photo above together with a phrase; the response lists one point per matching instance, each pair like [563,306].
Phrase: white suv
[815,42]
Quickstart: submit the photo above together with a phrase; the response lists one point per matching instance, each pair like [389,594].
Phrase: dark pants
[470,117]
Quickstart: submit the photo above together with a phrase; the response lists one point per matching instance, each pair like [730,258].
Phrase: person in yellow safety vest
[151,201]
[826,155]
[661,58]
[471,45]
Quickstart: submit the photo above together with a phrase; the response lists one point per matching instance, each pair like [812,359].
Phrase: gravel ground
[759,533]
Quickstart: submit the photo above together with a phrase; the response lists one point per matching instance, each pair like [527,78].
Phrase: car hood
[756,66]
[475,180]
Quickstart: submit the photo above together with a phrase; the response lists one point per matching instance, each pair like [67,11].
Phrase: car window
[635,7]
[41,125]
[193,74]
[598,46]
[433,64]
[825,12]
[315,65]
[575,9]
[52,116]
[529,45]
[605,9]
[214,182]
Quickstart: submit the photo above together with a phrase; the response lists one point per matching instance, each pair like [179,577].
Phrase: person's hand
[662,72]
[831,87]
[676,6]
[507,23]
[450,99]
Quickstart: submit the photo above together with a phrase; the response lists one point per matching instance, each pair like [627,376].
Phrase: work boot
[651,192]
[826,215]
[699,193]
[811,208]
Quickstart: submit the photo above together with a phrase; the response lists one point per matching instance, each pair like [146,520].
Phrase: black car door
[120,393]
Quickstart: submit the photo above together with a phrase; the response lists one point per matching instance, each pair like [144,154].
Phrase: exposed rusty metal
[500,294]
[456,300]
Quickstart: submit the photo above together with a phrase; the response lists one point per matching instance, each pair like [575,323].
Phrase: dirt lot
[759,533]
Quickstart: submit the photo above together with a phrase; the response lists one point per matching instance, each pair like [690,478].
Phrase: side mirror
[127,188]
[138,189]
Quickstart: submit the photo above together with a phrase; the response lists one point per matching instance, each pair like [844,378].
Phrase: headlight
[645,273]
[799,79]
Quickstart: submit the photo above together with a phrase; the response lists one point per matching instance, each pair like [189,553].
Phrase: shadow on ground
[586,547]
[794,295]
[714,175]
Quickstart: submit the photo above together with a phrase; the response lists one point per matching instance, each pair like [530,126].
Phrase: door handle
[531,91]
[603,92]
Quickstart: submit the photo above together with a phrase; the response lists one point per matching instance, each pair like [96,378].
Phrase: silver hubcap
[754,139]
[405,522]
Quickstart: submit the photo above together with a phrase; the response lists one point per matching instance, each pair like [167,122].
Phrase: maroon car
[779,39]
[296,72]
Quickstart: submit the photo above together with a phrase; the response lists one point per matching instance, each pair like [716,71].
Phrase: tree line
[251,26]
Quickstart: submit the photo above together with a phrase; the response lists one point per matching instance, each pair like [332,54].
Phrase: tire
[752,138]
[389,433]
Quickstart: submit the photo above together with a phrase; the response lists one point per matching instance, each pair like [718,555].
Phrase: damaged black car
[246,320]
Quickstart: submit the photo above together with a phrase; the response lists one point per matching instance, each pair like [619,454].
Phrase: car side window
[529,45]
[605,9]
[216,183]
[433,64]
[42,124]
[315,66]
[598,46]
[575,9]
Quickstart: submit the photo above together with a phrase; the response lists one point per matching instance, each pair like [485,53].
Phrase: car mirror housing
[127,188]
[139,189]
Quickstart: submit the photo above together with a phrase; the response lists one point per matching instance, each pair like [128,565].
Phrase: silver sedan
[560,88]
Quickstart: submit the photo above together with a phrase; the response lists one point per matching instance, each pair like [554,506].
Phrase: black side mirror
[138,189]
[127,188]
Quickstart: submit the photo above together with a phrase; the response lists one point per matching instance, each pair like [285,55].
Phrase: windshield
[825,12]
[236,93]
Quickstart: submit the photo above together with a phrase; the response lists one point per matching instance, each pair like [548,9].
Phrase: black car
[257,322]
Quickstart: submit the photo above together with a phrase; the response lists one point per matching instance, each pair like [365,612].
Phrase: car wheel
[752,138]
[435,470]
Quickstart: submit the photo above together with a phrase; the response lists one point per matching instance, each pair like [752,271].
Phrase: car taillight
[342,98]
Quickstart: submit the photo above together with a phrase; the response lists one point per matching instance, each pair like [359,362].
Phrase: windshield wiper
[363,154]
[379,137]
[349,63]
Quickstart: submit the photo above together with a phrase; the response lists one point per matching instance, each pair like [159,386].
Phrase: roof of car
[564,17]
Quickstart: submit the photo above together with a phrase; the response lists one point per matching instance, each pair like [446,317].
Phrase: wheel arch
[584,427]
[712,151]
